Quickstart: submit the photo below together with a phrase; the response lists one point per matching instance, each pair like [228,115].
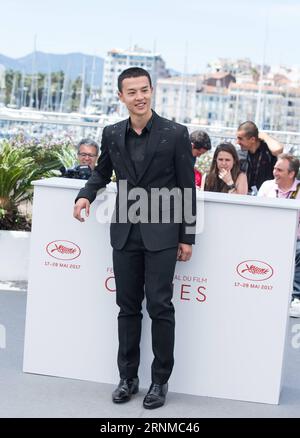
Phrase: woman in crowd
[225,175]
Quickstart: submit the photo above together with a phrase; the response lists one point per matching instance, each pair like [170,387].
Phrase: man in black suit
[148,154]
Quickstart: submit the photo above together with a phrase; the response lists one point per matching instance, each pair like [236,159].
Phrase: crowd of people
[255,160]
[259,168]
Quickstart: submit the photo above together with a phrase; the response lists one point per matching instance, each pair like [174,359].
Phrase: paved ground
[28,395]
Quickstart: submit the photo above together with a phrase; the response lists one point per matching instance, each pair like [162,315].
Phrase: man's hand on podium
[81,204]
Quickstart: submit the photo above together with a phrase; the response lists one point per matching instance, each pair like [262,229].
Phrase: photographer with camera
[87,153]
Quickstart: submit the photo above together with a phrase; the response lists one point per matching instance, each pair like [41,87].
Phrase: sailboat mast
[82,93]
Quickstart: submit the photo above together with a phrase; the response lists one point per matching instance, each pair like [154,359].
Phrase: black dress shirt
[136,145]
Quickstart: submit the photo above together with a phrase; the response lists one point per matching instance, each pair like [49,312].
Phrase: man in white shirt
[286,185]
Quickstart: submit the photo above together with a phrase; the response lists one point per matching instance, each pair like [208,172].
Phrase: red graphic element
[255,270]
[183,291]
[202,297]
[110,287]
[63,250]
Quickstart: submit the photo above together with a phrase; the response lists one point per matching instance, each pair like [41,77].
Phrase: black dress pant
[139,272]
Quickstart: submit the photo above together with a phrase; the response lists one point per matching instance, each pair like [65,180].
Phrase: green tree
[76,90]
[57,83]
[25,88]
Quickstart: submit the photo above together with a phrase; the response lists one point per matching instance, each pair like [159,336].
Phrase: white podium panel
[231,299]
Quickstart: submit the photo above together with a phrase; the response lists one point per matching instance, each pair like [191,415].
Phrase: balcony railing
[78,126]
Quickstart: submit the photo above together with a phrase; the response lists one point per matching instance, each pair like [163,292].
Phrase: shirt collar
[291,189]
[147,128]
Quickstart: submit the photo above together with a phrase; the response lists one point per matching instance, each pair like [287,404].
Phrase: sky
[188,34]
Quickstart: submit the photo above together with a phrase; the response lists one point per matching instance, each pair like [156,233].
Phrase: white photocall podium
[231,299]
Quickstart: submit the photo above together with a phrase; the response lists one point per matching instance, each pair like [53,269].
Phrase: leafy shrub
[23,161]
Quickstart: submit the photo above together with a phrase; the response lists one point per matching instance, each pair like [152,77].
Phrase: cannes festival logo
[255,270]
[63,250]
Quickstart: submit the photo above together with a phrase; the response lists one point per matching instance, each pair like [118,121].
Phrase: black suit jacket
[168,164]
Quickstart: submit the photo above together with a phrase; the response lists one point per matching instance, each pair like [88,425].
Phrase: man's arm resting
[275,147]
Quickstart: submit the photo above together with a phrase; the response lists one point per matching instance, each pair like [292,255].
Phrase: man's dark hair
[88,142]
[249,128]
[132,72]
[200,139]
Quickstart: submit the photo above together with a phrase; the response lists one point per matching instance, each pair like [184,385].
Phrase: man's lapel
[120,140]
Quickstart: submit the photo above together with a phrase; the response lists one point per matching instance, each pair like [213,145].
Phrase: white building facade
[272,107]
[176,97]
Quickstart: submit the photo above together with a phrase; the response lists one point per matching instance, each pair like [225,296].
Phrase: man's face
[198,152]
[136,94]
[87,155]
[283,176]
[245,142]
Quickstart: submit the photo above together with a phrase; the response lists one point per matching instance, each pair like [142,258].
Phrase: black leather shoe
[156,396]
[125,389]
